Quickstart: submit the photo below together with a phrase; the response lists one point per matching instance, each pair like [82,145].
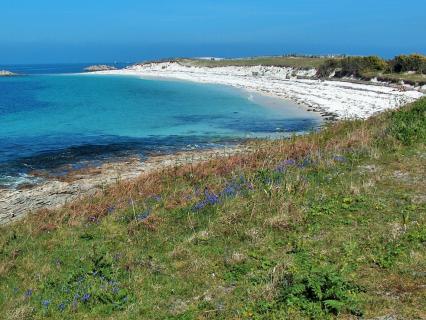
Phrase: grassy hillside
[327,225]
[294,62]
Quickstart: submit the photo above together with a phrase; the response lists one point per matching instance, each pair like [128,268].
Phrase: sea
[54,119]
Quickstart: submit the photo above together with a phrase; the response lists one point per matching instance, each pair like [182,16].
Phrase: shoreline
[54,193]
[331,98]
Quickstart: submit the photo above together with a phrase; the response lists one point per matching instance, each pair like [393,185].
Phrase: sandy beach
[342,99]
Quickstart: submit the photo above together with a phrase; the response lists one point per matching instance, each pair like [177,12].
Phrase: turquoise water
[52,121]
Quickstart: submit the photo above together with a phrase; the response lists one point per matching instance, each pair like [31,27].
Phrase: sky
[74,31]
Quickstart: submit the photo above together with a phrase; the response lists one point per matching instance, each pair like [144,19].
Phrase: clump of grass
[318,290]
[409,125]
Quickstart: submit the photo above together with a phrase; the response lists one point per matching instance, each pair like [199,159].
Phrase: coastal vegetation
[331,224]
[408,68]
[302,62]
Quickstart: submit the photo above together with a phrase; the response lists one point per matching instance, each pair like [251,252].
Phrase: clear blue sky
[130,30]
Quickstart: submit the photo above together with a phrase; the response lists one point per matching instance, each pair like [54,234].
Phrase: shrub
[352,66]
[413,62]
[328,67]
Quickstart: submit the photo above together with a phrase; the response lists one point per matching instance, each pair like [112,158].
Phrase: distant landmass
[99,67]
[5,73]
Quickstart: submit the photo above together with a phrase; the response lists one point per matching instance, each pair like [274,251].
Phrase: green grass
[295,62]
[328,225]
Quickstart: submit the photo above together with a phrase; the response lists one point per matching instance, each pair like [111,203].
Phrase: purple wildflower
[200,205]
[230,190]
[85,297]
[28,293]
[110,209]
[306,162]
[210,197]
[282,166]
[289,162]
[62,307]
[45,303]
[93,219]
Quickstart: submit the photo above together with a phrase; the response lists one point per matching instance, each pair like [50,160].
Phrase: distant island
[5,73]
[99,67]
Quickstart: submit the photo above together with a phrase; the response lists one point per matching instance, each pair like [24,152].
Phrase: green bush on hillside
[352,66]
[412,62]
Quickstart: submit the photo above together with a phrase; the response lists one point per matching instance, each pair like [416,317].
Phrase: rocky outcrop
[99,67]
[5,73]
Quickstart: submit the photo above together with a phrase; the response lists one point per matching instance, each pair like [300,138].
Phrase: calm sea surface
[51,118]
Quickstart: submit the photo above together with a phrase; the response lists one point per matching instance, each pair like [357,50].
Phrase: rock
[99,67]
[5,73]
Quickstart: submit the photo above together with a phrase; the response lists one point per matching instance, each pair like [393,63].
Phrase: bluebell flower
[282,166]
[306,162]
[45,303]
[289,162]
[230,190]
[28,293]
[110,209]
[85,297]
[62,307]
[200,205]
[211,198]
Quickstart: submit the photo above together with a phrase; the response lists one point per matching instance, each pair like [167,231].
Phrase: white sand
[344,99]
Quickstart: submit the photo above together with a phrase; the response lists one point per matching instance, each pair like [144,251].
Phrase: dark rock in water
[5,73]
[99,67]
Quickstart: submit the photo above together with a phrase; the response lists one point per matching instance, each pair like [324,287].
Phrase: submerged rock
[5,73]
[99,67]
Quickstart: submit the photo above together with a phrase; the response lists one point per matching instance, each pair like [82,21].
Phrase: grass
[295,62]
[327,225]
[409,78]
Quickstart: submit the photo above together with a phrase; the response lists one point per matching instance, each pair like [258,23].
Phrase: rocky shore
[53,193]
